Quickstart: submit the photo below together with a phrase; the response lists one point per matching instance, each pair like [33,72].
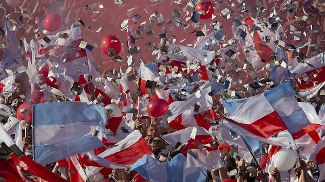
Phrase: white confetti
[182,40]
[99,29]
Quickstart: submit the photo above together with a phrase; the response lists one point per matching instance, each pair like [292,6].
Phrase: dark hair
[3,121]
[248,178]
[233,161]
[12,98]
[253,164]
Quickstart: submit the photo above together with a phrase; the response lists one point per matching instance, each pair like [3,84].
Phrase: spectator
[152,130]
[148,139]
[27,146]
[14,102]
[276,175]
[157,146]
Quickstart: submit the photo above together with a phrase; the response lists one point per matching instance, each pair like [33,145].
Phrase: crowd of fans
[236,168]
[28,17]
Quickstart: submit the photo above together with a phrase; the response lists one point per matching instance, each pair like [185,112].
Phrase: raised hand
[301,164]
[276,175]
[310,165]
[241,164]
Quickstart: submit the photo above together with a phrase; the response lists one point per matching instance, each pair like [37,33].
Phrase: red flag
[126,152]
[9,172]
[74,173]
[28,165]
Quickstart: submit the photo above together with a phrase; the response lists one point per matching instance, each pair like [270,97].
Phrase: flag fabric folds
[204,159]
[258,117]
[320,158]
[27,164]
[12,56]
[67,50]
[127,151]
[118,127]
[182,115]
[63,129]
[174,170]
[179,52]
[9,171]
[8,84]
[258,46]
[286,105]
[77,173]
[309,75]
[234,138]
[184,135]
[24,165]
[151,169]
[279,102]
[14,126]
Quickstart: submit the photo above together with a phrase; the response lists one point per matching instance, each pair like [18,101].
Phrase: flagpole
[258,165]
[33,134]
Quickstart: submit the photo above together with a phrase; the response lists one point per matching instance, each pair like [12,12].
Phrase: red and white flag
[119,128]
[26,167]
[28,50]
[9,171]
[127,151]
[150,73]
[233,138]
[67,50]
[103,86]
[100,92]
[256,116]
[183,136]
[76,169]
[8,84]
[307,143]
[125,91]
[320,158]
[181,60]
[183,116]
[36,171]
[256,40]
[310,75]
[121,155]
[308,138]
[189,118]
[146,74]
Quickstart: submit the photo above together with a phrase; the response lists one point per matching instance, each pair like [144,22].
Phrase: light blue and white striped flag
[64,129]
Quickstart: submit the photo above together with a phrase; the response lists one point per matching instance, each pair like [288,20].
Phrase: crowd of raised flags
[87,126]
